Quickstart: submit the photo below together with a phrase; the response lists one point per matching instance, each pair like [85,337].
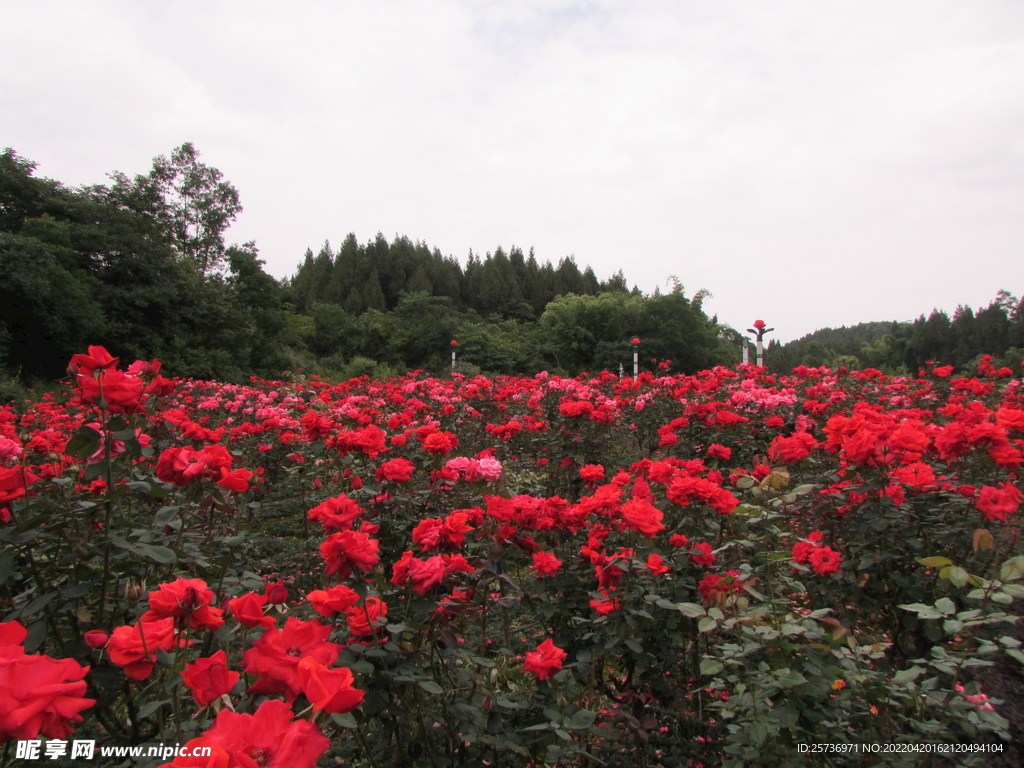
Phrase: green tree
[190,199]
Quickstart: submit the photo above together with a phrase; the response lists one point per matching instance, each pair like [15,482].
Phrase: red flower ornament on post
[759,331]
[636,356]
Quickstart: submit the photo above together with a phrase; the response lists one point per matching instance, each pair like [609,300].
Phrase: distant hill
[900,347]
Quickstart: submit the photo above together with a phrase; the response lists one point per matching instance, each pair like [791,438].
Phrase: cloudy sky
[812,163]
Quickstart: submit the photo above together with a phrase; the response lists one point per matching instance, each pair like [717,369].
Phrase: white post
[746,351]
[453,359]
[636,363]
[760,354]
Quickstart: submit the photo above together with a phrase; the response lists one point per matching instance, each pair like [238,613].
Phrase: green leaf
[155,553]
[907,675]
[947,606]
[149,708]
[431,687]
[1012,568]
[744,482]
[690,609]
[6,564]
[711,666]
[93,471]
[344,721]
[958,576]
[923,611]
[1014,590]
[935,562]
[84,443]
[32,608]
[706,624]
[791,678]
[582,719]
[758,733]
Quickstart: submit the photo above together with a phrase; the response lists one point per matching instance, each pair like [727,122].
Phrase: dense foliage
[514,571]
[996,330]
[143,267]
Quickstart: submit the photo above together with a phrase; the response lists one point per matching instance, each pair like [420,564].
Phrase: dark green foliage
[996,330]
[141,268]
[132,268]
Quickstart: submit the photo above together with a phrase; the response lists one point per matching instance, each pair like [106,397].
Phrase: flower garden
[705,570]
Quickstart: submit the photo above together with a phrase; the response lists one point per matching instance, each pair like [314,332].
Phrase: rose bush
[516,571]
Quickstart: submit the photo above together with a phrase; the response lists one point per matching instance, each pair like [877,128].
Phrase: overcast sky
[809,163]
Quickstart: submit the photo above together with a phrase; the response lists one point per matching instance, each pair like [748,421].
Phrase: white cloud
[815,164]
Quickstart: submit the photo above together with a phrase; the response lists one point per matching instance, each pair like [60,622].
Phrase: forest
[141,266]
[906,347]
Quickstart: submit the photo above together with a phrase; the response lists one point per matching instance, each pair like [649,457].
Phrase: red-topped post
[759,331]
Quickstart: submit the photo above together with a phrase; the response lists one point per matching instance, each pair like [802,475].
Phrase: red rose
[133,647]
[38,694]
[13,483]
[997,503]
[237,481]
[269,738]
[395,470]
[759,324]
[96,638]
[544,661]
[248,609]
[656,565]
[678,540]
[825,561]
[276,655]
[333,600]
[346,549]
[276,593]
[427,574]
[329,690]
[184,599]
[209,678]
[97,359]
[120,391]
[440,443]
[336,514]
[641,515]
[364,619]
[706,556]
[181,465]
[545,564]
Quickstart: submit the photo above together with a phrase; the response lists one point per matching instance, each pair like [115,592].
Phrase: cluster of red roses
[397,437]
[184,465]
[295,660]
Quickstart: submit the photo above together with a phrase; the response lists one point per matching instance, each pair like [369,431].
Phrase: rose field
[685,570]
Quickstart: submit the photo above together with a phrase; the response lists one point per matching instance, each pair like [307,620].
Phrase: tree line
[141,266]
[906,347]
